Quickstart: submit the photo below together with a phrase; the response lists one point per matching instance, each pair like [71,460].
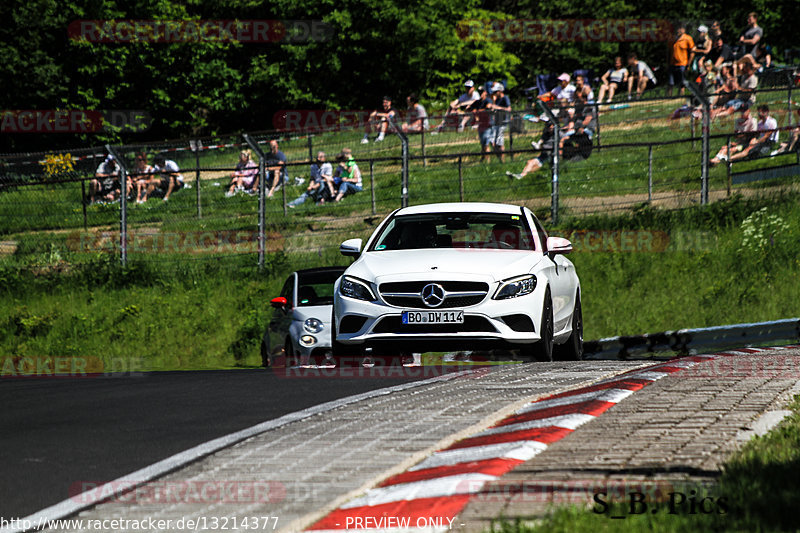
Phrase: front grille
[472,324]
[449,286]
[413,289]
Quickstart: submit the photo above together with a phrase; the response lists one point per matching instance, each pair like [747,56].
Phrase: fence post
[310,147]
[728,165]
[597,117]
[262,177]
[650,174]
[422,147]
[460,180]
[123,206]
[372,184]
[706,131]
[403,164]
[196,146]
[511,136]
[691,117]
[556,161]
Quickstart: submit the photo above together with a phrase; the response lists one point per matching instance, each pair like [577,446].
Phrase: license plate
[433,317]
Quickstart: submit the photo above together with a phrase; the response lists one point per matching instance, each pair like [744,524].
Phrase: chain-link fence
[612,157]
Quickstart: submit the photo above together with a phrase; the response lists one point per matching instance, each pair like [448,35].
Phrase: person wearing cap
[167,178]
[702,47]
[460,105]
[564,92]
[379,120]
[106,181]
[612,80]
[641,76]
[500,109]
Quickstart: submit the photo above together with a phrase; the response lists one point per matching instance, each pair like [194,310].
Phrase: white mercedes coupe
[458,276]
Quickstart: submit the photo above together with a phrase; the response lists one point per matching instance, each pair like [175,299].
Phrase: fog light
[308,340]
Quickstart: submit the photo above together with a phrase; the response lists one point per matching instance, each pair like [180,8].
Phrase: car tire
[543,350]
[572,350]
[265,362]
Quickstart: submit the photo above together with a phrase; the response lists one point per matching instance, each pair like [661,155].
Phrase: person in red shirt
[680,56]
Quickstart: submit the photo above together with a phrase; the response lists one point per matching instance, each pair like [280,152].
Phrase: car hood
[488,265]
[320,312]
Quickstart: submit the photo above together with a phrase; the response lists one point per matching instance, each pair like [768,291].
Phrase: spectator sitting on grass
[564,92]
[613,80]
[379,120]
[768,135]
[140,175]
[245,177]
[275,165]
[583,93]
[545,144]
[743,130]
[460,107]
[745,89]
[167,178]
[105,184]
[349,174]
[321,179]
[641,76]
[417,118]
[720,53]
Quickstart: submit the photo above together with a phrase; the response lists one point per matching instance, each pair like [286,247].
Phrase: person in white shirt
[564,92]
[106,181]
[460,106]
[167,178]
[613,80]
[641,75]
[417,117]
[767,136]
[743,131]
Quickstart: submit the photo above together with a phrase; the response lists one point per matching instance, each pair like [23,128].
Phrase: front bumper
[491,324]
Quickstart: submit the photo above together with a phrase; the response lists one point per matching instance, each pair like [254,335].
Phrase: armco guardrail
[698,339]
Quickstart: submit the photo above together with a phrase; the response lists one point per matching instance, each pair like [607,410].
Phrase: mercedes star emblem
[432,294]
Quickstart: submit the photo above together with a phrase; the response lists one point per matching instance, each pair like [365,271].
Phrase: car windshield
[496,231]
[316,288]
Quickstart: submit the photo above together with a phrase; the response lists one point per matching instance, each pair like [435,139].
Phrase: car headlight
[516,287]
[355,288]
[313,325]
[307,340]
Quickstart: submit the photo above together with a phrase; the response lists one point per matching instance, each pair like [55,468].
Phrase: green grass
[759,485]
[193,311]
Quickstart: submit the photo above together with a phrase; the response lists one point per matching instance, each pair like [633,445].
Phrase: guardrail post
[597,116]
[262,177]
[196,146]
[123,206]
[706,131]
[422,147]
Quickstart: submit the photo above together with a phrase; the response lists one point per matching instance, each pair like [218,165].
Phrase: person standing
[680,56]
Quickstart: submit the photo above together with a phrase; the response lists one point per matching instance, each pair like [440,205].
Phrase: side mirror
[278,303]
[558,245]
[351,247]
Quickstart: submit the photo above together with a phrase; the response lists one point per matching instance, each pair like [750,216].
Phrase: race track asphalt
[59,431]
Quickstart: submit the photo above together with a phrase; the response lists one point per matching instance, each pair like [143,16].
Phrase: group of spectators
[325,184]
[144,180]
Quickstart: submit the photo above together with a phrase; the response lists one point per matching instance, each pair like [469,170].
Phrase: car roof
[321,270]
[461,207]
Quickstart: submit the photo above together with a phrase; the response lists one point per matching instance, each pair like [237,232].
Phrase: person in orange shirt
[680,56]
